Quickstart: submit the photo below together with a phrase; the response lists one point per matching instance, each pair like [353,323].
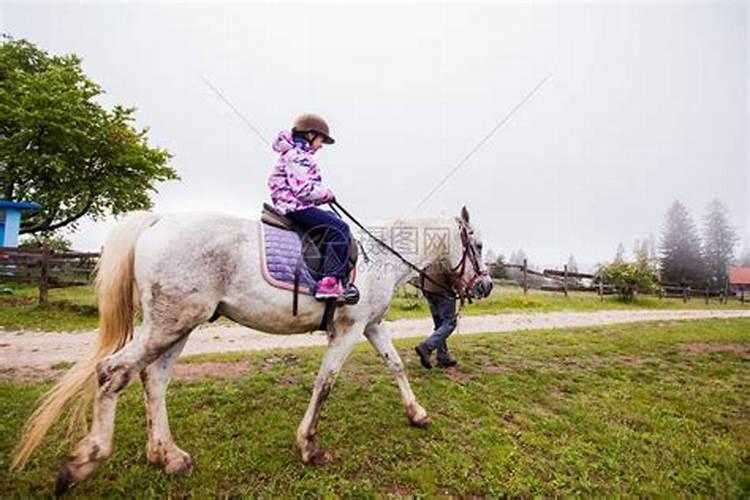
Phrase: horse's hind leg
[378,336]
[161,449]
[114,373]
[340,346]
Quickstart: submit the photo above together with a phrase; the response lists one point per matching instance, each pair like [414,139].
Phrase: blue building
[10,220]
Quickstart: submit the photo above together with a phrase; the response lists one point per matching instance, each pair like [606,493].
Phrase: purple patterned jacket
[295,182]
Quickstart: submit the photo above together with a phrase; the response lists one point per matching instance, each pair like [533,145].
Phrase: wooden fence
[565,281]
[47,268]
[50,269]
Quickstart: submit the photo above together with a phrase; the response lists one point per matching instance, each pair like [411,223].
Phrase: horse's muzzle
[482,287]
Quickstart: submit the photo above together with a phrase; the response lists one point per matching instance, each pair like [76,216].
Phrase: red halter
[462,286]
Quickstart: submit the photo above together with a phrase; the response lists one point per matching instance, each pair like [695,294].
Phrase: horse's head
[473,279]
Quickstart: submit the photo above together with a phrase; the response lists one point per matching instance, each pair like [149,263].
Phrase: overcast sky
[646,104]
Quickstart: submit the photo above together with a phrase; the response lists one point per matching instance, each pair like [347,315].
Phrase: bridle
[470,254]
[461,289]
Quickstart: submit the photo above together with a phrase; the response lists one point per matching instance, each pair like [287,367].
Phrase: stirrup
[349,297]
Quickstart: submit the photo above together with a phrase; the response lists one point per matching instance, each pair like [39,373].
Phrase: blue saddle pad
[280,251]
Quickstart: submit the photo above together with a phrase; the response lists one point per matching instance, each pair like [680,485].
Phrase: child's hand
[329,197]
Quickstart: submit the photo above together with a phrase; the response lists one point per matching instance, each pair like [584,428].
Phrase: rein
[462,293]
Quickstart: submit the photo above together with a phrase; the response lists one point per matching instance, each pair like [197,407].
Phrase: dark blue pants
[336,237]
[443,311]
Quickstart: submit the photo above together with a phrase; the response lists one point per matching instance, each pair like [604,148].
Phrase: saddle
[290,256]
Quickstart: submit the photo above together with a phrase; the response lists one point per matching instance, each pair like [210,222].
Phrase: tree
[517,257]
[62,149]
[719,240]
[572,265]
[640,249]
[681,259]
[630,277]
[646,249]
[490,256]
[52,241]
[620,255]
[497,268]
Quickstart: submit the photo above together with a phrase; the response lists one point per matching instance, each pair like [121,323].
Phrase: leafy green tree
[62,149]
[681,256]
[719,240]
[497,269]
[630,277]
[52,241]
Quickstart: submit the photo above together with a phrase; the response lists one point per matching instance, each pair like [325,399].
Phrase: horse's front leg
[378,336]
[340,345]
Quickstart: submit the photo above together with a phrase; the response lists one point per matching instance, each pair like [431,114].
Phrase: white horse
[181,270]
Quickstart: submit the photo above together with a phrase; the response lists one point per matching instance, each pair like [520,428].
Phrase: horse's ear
[465,214]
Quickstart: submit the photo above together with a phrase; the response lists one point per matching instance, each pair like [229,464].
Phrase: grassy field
[75,308]
[653,409]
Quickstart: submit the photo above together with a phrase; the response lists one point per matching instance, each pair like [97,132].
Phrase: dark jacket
[441,279]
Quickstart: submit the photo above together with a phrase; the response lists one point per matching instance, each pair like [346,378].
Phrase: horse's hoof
[182,465]
[65,480]
[319,458]
[421,423]
[418,417]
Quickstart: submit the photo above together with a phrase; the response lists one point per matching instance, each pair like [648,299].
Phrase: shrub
[630,277]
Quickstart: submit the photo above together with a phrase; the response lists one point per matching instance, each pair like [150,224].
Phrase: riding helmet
[313,123]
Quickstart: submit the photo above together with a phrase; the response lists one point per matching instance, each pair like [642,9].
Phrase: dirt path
[34,354]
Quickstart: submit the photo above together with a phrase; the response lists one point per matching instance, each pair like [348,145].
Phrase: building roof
[20,205]
[739,275]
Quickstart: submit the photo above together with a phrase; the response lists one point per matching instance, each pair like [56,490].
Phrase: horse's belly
[261,316]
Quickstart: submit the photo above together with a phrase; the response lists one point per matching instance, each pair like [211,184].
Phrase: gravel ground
[30,355]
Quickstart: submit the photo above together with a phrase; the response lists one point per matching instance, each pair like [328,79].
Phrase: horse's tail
[115,292]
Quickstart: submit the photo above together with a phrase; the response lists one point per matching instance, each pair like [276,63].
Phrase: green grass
[72,308]
[512,299]
[622,410]
[75,308]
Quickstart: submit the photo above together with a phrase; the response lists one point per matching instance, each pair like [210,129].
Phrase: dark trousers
[443,311]
[336,237]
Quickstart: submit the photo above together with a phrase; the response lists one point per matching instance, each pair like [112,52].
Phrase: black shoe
[424,356]
[446,363]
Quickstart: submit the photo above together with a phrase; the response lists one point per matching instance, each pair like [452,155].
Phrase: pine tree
[681,259]
[517,257]
[490,256]
[620,255]
[653,257]
[640,249]
[719,240]
[572,265]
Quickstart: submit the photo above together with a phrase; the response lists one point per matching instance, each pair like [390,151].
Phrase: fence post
[742,295]
[525,277]
[565,280]
[726,290]
[44,276]
[601,287]
[708,285]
